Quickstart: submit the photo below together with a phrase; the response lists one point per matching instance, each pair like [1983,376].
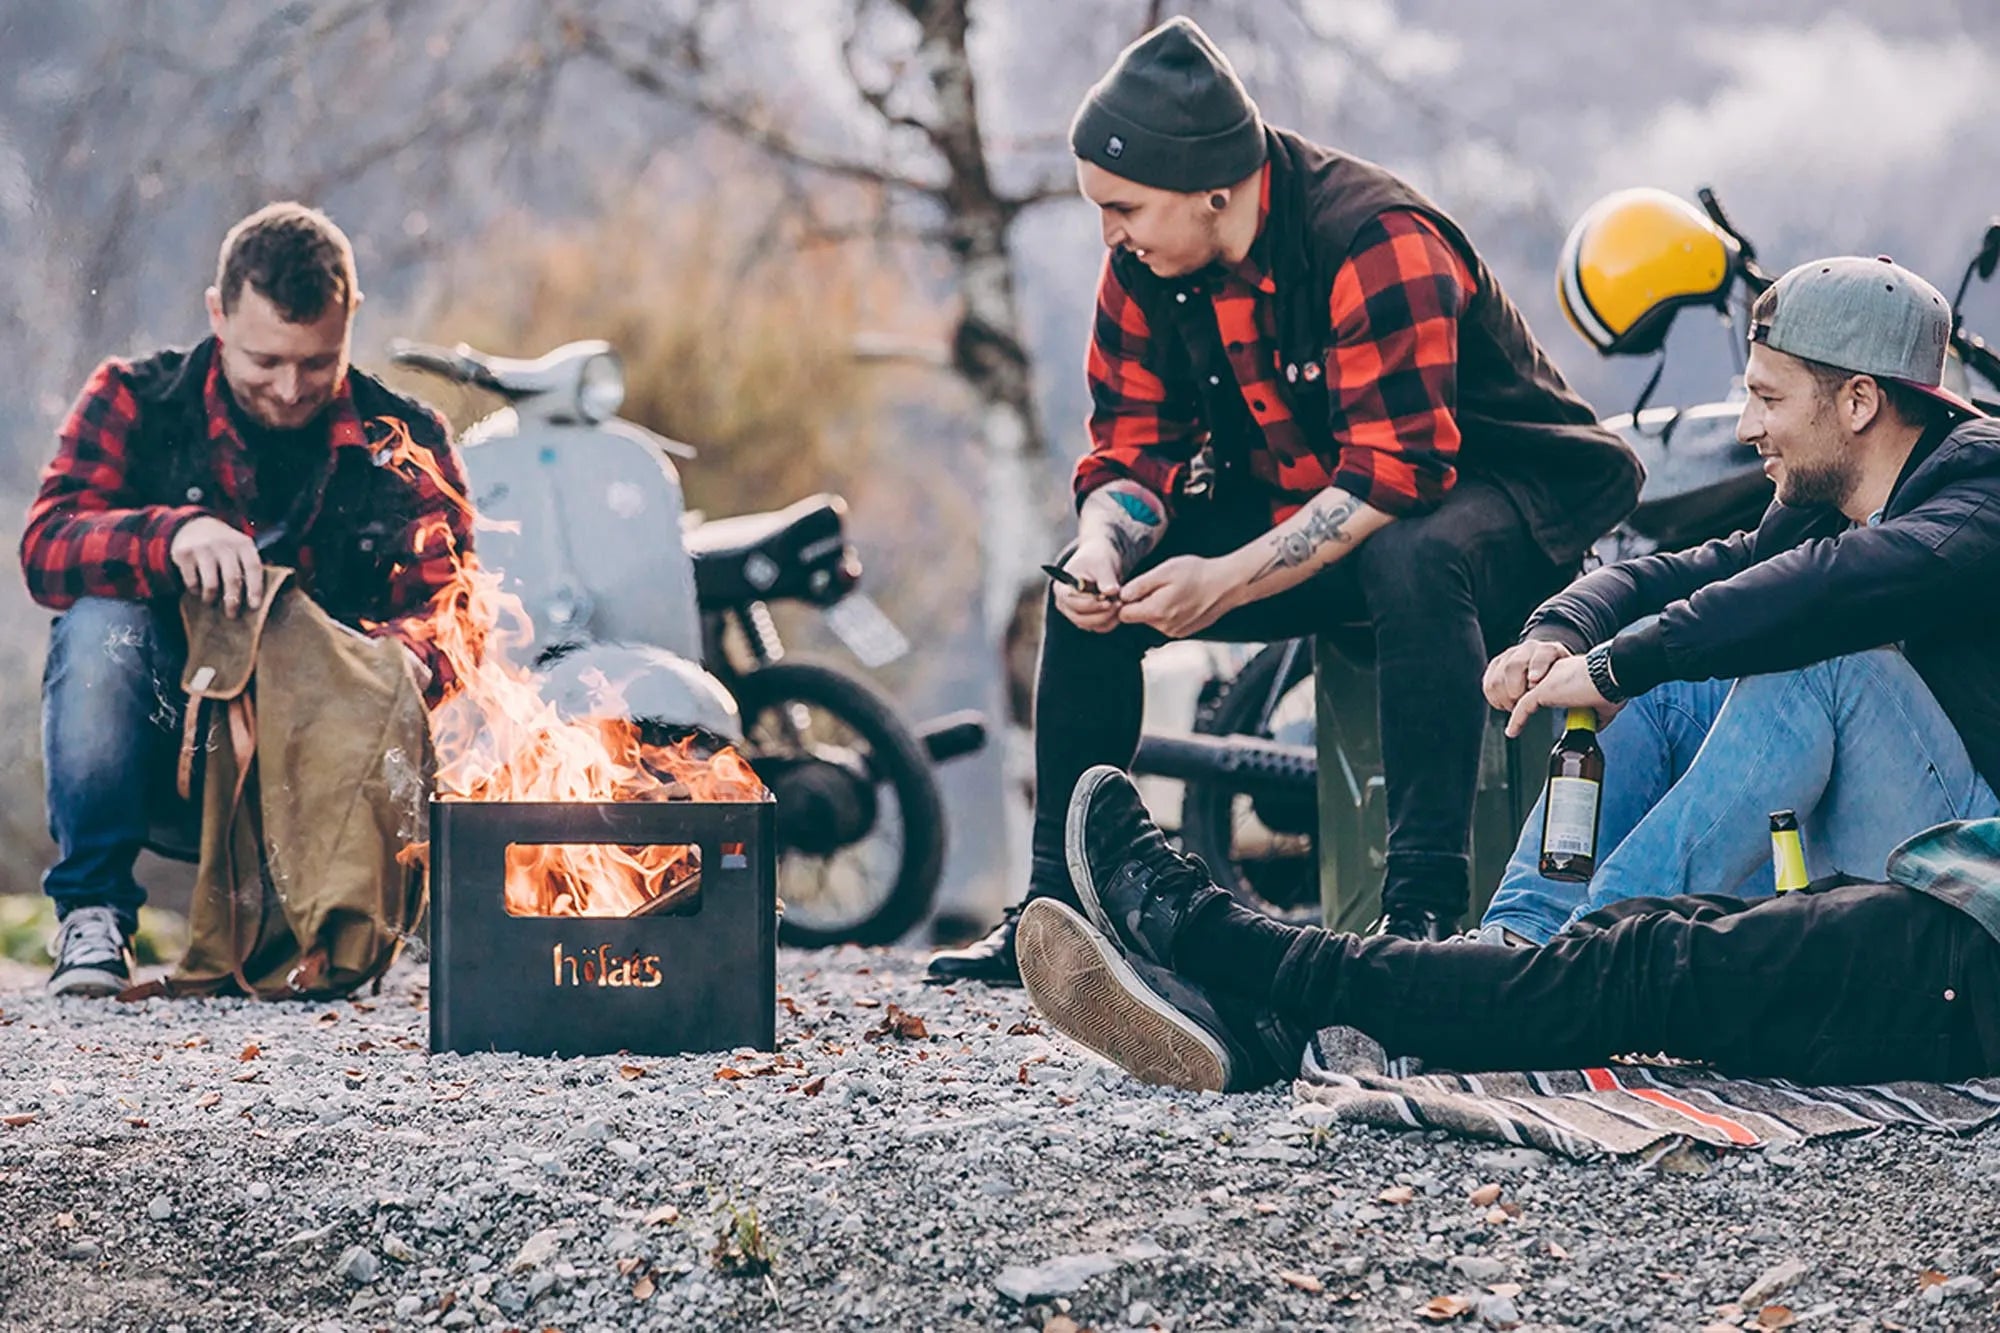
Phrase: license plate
[866,630]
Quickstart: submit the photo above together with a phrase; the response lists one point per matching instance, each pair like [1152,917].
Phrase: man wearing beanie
[1313,408]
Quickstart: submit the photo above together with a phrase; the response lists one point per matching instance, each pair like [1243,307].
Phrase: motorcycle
[583,516]
[1250,770]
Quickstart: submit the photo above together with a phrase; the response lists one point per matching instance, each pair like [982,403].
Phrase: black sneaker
[988,959]
[93,953]
[1144,1019]
[1133,885]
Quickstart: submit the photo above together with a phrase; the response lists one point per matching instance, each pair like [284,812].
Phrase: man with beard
[1859,627]
[189,471]
[1314,410]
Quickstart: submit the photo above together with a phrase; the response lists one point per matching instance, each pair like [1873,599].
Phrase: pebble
[160,1208]
[358,1264]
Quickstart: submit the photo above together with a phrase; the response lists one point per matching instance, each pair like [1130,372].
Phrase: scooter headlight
[600,388]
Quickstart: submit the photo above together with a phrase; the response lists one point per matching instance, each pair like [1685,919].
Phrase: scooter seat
[750,557]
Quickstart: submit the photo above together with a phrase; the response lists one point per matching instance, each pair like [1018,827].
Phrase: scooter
[1250,768]
[582,514]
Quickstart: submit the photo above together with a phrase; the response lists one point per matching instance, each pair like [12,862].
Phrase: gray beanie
[1171,114]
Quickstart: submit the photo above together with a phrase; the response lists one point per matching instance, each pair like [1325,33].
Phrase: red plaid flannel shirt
[86,538]
[1391,378]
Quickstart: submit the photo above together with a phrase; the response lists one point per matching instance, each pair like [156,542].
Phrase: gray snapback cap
[1870,316]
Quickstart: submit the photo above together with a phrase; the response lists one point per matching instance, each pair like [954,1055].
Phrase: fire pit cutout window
[607,880]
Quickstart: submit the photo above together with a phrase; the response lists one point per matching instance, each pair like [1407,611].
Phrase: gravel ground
[945,1164]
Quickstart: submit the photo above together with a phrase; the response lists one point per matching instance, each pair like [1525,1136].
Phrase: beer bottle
[1571,801]
[1788,852]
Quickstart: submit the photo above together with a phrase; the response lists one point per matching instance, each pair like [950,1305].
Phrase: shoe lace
[90,935]
[1175,873]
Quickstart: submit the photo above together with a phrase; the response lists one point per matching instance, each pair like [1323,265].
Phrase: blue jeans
[111,727]
[1856,745]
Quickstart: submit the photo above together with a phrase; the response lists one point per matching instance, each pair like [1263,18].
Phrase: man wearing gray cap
[1859,625]
[1313,411]
[1841,661]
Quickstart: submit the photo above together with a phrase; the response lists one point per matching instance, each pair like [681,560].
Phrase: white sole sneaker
[1086,989]
[89,982]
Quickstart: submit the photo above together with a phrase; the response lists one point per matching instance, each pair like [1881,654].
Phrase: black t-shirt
[285,466]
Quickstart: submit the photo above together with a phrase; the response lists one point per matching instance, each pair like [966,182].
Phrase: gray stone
[358,1264]
[1509,1160]
[1056,1277]
[395,1247]
[161,1208]
[1773,1281]
[1497,1311]
[1477,1268]
[409,1307]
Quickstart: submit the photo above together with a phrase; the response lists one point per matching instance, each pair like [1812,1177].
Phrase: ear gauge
[1218,201]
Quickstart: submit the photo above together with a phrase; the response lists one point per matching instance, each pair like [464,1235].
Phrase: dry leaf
[138,1122]
[16,1121]
[791,1006]
[1776,1316]
[451,1093]
[1511,1208]
[642,1290]
[1303,1281]
[247,1076]
[1062,1323]
[1396,1194]
[625,1266]
[1557,1252]
[1930,1277]
[1717,1326]
[728,1073]
[1495,1216]
[814,1085]
[327,1019]
[1485,1195]
[194,1043]
[1021,1029]
[631,1071]
[250,1052]
[356,1075]
[1263,1207]
[1442,1308]
[1508,1289]
[206,1100]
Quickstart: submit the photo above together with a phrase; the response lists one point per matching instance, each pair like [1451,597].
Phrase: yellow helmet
[1632,260]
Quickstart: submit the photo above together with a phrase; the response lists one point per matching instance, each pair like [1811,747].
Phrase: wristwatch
[1598,663]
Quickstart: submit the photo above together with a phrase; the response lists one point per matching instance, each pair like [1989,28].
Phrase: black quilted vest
[1522,426]
[346,551]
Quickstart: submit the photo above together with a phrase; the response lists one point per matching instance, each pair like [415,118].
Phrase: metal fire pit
[703,978]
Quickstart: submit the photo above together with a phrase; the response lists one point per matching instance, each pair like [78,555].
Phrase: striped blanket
[1626,1109]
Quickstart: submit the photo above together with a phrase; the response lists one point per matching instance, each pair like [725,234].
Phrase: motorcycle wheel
[812,724]
[1275,870]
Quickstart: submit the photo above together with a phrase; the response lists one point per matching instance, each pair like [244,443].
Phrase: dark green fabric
[1172,114]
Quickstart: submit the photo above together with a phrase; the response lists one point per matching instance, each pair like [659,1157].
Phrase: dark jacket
[1521,424]
[1808,585]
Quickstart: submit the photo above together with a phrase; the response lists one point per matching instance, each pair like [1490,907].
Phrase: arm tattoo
[1130,523]
[1324,526]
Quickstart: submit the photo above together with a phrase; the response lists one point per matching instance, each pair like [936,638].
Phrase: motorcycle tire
[896,760]
[1284,887]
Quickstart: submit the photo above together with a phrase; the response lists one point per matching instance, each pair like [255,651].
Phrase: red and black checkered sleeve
[1141,427]
[439,540]
[85,537]
[1392,372]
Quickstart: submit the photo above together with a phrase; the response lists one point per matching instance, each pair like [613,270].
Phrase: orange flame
[498,739]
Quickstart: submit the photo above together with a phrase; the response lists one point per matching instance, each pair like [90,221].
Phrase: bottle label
[1571,829]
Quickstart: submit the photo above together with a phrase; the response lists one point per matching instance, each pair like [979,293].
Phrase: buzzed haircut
[294,256]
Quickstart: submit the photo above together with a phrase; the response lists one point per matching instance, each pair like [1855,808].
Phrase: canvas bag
[315,759]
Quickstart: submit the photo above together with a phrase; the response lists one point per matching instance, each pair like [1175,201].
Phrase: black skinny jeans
[1441,591]
[1857,984]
